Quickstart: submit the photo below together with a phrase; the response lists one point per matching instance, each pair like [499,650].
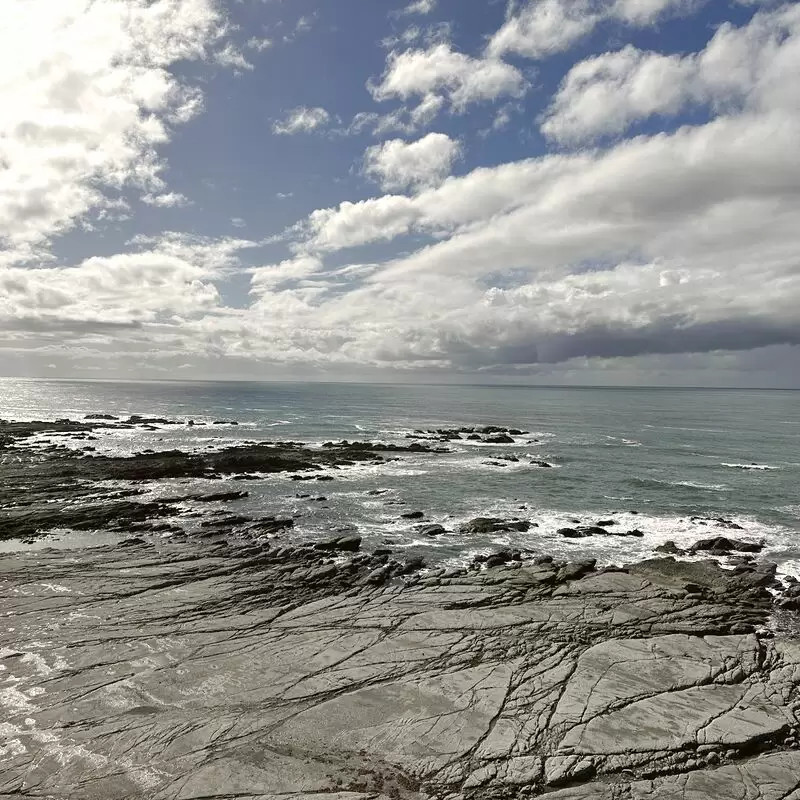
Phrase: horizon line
[399,383]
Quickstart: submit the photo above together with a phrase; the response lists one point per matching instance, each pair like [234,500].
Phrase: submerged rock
[431,530]
[585,531]
[669,547]
[498,438]
[721,544]
[483,525]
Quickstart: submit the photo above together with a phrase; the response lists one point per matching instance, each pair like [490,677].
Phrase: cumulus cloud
[163,280]
[682,242]
[751,67]
[543,27]
[87,100]
[443,72]
[302,120]
[397,164]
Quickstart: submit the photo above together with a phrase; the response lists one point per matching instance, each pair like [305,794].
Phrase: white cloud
[420,7]
[407,120]
[287,272]
[166,200]
[302,120]
[647,12]
[354,224]
[427,110]
[672,243]
[427,35]
[397,164]
[232,57]
[303,25]
[164,280]
[86,101]
[604,94]
[441,71]
[543,27]
[259,44]
[752,67]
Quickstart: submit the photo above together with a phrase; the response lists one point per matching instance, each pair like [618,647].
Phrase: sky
[536,191]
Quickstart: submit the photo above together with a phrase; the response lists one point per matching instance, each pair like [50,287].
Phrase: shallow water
[665,454]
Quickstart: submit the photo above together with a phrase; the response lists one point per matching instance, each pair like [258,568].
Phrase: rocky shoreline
[235,664]
[55,486]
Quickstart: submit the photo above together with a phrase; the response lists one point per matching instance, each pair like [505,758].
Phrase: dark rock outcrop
[499,438]
[431,530]
[347,544]
[484,525]
[723,545]
[584,531]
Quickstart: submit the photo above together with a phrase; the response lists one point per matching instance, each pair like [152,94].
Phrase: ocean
[668,462]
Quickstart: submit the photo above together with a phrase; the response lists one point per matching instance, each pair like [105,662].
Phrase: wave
[681,428]
[618,441]
[761,467]
[499,464]
[710,487]
[705,487]
[780,543]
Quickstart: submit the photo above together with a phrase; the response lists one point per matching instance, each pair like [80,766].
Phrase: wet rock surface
[192,670]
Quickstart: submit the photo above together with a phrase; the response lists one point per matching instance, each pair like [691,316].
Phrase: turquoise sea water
[665,454]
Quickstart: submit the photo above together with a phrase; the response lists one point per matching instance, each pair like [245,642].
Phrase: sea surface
[665,461]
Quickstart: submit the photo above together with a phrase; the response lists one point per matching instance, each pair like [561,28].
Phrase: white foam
[396,469]
[498,465]
[780,543]
[750,466]
[12,746]
[618,441]
[710,487]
